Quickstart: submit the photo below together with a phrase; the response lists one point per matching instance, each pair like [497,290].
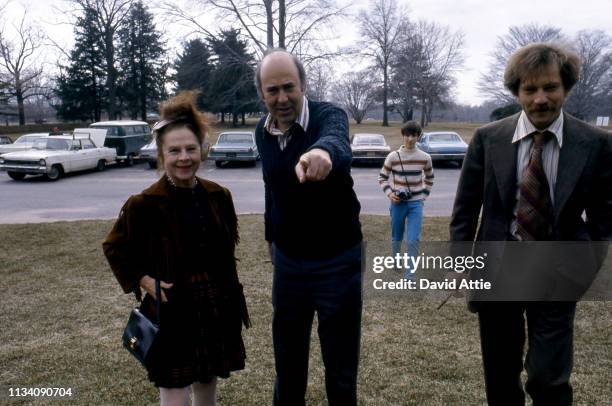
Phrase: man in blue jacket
[313,231]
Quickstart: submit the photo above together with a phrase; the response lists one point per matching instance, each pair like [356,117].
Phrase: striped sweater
[418,171]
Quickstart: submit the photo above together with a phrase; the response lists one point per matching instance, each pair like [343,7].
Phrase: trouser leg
[398,225]
[550,354]
[414,220]
[291,328]
[502,338]
[338,301]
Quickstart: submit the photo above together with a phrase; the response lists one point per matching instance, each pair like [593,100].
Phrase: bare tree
[381,28]
[18,61]
[295,25]
[356,93]
[39,105]
[109,15]
[425,66]
[491,82]
[595,83]
[320,77]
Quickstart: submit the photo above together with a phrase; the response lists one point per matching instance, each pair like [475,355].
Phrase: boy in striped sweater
[406,178]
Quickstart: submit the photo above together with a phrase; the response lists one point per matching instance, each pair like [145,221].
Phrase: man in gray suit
[534,175]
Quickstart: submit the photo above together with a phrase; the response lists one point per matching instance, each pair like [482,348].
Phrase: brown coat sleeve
[230,217]
[123,246]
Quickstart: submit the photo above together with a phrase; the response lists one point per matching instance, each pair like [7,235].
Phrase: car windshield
[110,130]
[24,139]
[369,140]
[52,144]
[440,138]
[235,139]
[4,140]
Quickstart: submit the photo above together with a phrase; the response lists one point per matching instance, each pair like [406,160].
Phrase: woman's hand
[148,284]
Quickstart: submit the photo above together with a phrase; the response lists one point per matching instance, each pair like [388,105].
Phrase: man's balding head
[275,56]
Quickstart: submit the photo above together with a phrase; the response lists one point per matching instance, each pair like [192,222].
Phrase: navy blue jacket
[312,220]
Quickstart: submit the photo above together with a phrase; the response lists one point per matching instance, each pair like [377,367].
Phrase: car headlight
[42,162]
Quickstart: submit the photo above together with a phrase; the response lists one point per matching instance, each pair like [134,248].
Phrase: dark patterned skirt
[199,335]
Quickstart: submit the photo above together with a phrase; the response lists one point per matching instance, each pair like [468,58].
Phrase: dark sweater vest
[312,220]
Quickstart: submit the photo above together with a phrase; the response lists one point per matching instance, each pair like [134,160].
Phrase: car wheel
[152,164]
[460,163]
[101,165]
[219,164]
[55,173]
[254,163]
[129,161]
[16,175]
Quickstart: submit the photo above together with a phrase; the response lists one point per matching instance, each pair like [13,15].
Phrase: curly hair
[537,57]
[180,111]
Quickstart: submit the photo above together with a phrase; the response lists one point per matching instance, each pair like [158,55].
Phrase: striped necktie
[535,211]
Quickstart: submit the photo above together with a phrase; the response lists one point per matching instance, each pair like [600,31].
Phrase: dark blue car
[443,146]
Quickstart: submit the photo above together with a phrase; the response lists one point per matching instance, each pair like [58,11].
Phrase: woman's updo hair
[178,112]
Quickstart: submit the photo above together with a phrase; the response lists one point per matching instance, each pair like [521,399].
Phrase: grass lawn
[62,314]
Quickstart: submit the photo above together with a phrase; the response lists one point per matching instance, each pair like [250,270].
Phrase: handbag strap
[138,295]
[158,299]
[403,171]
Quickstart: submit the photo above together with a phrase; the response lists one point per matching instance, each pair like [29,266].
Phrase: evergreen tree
[141,57]
[233,85]
[194,71]
[108,16]
[80,88]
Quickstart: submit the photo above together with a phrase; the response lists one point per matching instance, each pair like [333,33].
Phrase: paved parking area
[100,195]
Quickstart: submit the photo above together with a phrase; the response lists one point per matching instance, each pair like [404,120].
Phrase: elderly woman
[182,230]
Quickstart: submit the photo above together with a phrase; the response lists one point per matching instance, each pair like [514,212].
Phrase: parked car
[22,143]
[234,146]
[369,148]
[443,146]
[148,153]
[56,156]
[126,136]
[5,140]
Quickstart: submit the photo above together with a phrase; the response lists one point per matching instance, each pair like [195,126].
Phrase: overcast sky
[482,21]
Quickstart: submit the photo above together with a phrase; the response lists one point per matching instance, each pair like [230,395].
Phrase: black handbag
[140,332]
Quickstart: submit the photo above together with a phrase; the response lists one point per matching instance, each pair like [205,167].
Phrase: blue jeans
[406,218]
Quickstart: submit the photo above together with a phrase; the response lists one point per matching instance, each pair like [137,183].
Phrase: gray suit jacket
[486,193]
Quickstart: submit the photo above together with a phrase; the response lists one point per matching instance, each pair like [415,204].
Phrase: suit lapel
[572,158]
[504,162]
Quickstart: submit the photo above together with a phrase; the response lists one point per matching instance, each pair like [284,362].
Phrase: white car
[55,156]
[22,143]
